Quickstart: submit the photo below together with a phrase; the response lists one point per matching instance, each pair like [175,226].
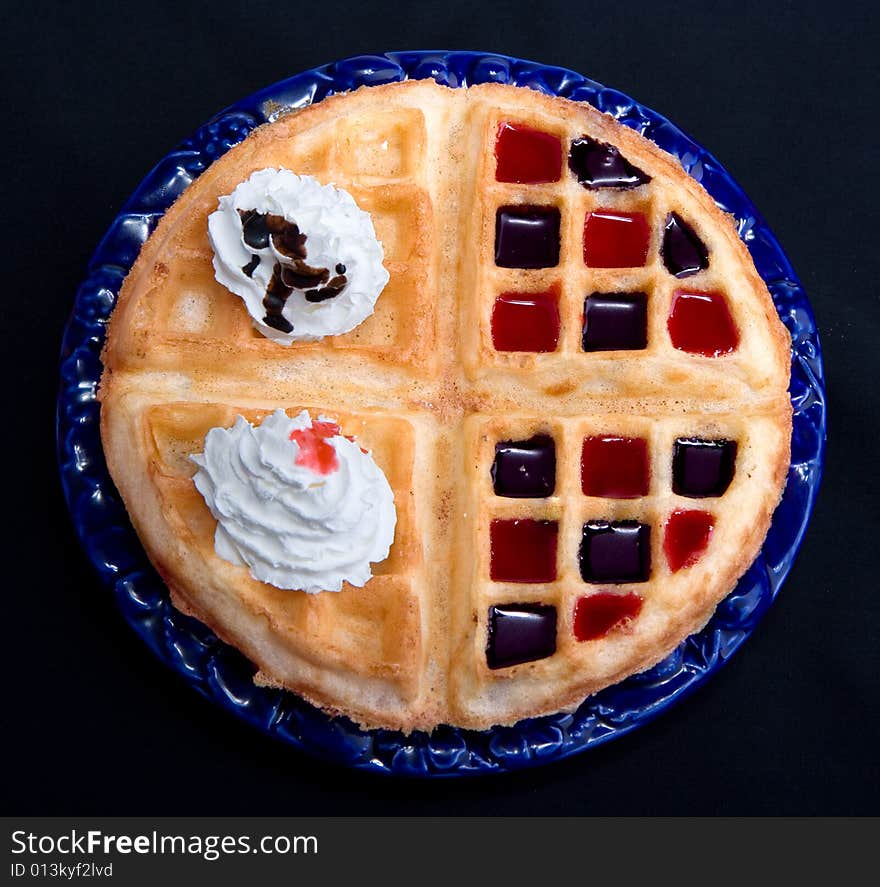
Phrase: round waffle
[499,599]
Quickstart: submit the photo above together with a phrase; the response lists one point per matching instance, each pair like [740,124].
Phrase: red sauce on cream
[314,451]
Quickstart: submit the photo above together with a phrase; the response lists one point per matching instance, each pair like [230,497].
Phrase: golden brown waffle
[422,385]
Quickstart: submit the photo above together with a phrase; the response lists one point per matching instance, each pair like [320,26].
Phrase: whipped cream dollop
[302,506]
[303,256]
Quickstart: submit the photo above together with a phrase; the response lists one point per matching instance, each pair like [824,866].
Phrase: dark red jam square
[527,237]
[615,322]
[598,165]
[616,552]
[526,155]
[686,537]
[682,251]
[526,322]
[614,467]
[595,615]
[615,239]
[520,633]
[702,468]
[700,323]
[525,469]
[523,550]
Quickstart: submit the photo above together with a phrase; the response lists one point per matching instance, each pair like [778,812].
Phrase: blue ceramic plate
[221,673]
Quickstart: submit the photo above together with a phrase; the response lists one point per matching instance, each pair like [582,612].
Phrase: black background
[785,95]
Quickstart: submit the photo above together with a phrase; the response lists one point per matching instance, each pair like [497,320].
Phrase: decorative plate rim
[222,674]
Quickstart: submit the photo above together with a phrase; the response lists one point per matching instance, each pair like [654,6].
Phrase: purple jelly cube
[527,237]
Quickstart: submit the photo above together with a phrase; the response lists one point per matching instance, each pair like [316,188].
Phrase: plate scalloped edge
[223,675]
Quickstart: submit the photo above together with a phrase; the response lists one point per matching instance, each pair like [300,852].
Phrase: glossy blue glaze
[223,675]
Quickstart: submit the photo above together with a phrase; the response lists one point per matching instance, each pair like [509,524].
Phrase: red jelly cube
[700,323]
[615,467]
[687,537]
[527,156]
[615,239]
[597,614]
[523,550]
[526,321]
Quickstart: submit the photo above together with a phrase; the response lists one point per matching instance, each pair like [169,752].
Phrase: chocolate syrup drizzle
[316,283]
